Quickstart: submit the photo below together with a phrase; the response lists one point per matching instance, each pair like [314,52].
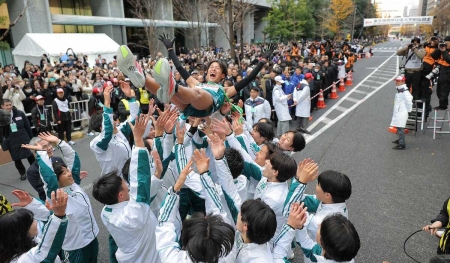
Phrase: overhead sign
[423,20]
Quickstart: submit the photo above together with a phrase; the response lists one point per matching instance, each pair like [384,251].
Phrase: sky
[397,4]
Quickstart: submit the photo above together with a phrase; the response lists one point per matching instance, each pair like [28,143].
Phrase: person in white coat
[127,214]
[280,102]
[16,96]
[402,105]
[341,68]
[256,108]
[302,100]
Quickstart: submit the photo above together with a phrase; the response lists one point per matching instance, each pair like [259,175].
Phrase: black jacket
[41,125]
[13,141]
[270,83]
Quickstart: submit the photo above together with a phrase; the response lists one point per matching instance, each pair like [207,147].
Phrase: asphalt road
[394,192]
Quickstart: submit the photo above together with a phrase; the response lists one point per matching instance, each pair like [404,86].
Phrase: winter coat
[16,96]
[13,141]
[402,105]
[41,124]
[280,104]
[302,97]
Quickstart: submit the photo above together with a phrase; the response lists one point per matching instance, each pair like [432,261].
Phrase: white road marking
[326,127]
[326,120]
[340,108]
[352,99]
[361,92]
[86,186]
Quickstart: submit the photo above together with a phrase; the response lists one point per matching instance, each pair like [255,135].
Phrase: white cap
[279,79]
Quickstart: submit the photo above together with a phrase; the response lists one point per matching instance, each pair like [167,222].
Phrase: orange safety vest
[442,62]
[428,59]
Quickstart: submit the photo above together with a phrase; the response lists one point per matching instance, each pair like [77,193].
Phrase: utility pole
[354,21]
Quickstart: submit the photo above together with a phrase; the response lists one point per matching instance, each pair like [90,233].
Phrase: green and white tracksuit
[317,211]
[82,228]
[113,150]
[132,223]
[168,230]
[278,195]
[48,248]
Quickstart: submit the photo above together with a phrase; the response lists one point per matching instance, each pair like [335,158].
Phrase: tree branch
[22,13]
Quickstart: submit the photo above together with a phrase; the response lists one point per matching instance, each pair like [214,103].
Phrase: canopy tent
[32,46]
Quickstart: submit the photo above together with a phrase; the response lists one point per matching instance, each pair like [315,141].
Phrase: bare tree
[4,45]
[230,15]
[144,10]
[196,14]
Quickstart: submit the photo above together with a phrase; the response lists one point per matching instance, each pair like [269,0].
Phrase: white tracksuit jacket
[256,109]
[280,103]
[307,236]
[279,196]
[131,223]
[52,239]
[82,228]
[113,150]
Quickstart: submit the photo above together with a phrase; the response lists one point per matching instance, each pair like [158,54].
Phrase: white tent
[32,46]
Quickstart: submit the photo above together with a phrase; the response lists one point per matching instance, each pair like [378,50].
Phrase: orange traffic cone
[333,94]
[394,130]
[341,85]
[368,55]
[349,80]
[321,101]
[359,55]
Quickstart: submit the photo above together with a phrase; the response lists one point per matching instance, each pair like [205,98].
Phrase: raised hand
[151,107]
[36,147]
[226,107]
[222,128]
[139,129]
[23,196]
[158,164]
[307,171]
[125,87]
[181,130]
[170,123]
[297,216]
[183,175]
[201,161]
[164,38]
[83,174]
[269,50]
[59,202]
[217,146]
[46,136]
[237,126]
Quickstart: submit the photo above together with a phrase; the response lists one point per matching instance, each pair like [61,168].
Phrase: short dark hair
[235,162]
[261,221]
[284,164]
[265,130]
[126,170]
[206,238]
[337,184]
[15,240]
[298,142]
[106,189]
[222,65]
[96,121]
[257,89]
[4,101]
[228,82]
[58,169]
[271,148]
[339,238]
[266,120]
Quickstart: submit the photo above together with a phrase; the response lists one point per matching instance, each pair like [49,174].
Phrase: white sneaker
[90,134]
[130,67]
[163,75]
[71,142]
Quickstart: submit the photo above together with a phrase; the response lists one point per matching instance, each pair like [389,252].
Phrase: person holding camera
[414,54]
[441,54]
[427,67]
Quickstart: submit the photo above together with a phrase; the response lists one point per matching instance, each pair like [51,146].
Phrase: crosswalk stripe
[352,99]
[361,92]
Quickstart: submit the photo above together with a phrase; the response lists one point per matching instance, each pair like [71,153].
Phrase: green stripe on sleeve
[143,178]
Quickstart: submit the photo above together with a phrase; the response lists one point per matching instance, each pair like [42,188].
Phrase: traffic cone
[349,80]
[321,101]
[394,130]
[333,94]
[368,55]
[359,55]
[341,85]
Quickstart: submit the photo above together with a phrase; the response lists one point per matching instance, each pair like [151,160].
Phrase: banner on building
[422,20]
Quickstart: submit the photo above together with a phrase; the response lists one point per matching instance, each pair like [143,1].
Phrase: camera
[402,70]
[433,73]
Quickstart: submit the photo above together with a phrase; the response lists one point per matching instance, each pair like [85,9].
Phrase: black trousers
[65,126]
[443,86]
[19,164]
[413,82]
